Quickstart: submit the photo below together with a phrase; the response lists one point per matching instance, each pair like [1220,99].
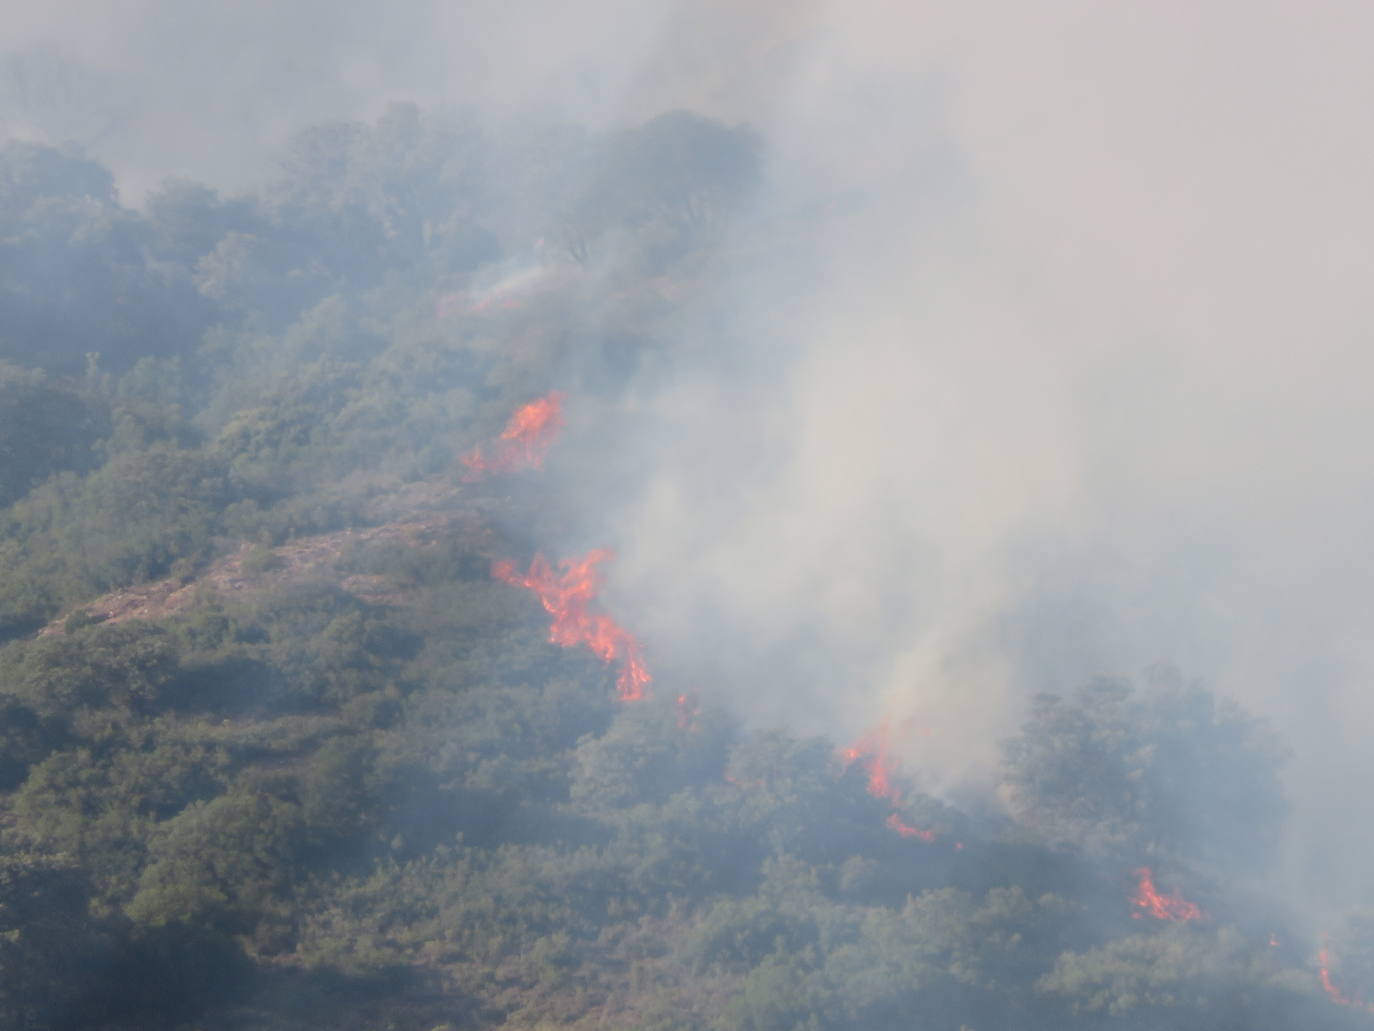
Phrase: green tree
[44,428]
[78,275]
[780,994]
[50,949]
[224,864]
[127,521]
[1186,978]
[339,791]
[792,797]
[24,740]
[648,753]
[131,667]
[665,186]
[187,220]
[1170,772]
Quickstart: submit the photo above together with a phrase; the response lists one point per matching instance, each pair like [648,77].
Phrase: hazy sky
[1079,379]
[211,89]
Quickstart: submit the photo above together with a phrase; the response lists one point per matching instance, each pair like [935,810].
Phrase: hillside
[254,570]
[311,718]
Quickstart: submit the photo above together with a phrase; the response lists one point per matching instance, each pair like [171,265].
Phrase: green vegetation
[299,803]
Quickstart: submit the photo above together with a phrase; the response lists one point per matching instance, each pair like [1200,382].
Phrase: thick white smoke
[1077,384]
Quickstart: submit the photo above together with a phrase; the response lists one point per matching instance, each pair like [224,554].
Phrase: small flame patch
[871,753]
[1329,985]
[1150,902]
[567,594]
[524,442]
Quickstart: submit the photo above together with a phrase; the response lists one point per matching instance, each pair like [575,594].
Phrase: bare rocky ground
[418,515]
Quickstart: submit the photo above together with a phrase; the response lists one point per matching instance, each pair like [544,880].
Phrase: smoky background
[1040,351]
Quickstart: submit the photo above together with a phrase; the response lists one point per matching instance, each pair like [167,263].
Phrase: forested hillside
[301,730]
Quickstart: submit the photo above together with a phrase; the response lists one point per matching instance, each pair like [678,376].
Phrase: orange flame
[523,443]
[870,751]
[567,595]
[905,829]
[1329,986]
[1162,907]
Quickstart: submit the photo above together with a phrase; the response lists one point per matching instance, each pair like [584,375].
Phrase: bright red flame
[567,595]
[1162,907]
[523,443]
[870,751]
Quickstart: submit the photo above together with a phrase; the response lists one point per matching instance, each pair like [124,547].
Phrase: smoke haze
[1058,365]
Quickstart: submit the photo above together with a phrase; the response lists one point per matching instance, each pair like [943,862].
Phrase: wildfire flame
[1162,907]
[567,594]
[905,829]
[523,443]
[871,753]
[688,708]
[1329,986]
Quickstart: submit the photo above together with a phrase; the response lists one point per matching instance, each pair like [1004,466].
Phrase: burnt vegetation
[303,805]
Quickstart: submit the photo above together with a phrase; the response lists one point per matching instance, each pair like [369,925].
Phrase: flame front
[1329,986]
[870,752]
[523,443]
[1162,907]
[567,595]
